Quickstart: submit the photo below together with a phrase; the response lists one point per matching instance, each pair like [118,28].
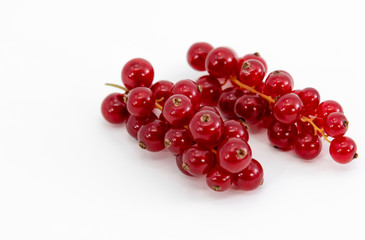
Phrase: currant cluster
[204,123]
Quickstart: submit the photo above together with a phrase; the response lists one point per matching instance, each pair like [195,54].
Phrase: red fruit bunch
[204,122]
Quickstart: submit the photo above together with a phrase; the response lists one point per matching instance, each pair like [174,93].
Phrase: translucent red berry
[179,164]
[151,136]
[140,101]
[162,91]
[235,129]
[250,178]
[282,135]
[134,123]
[197,54]
[325,108]
[211,90]
[250,108]
[190,89]
[278,83]
[227,101]
[178,110]
[234,155]
[311,99]
[343,149]
[197,160]
[255,56]
[252,72]
[221,62]
[335,124]
[288,108]
[138,72]
[114,109]
[177,140]
[307,146]
[219,179]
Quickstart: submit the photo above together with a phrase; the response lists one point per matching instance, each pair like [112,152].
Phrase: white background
[67,174]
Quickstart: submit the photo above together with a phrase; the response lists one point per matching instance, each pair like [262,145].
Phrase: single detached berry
[335,124]
[140,101]
[252,72]
[206,128]
[178,110]
[197,54]
[282,135]
[151,136]
[221,62]
[250,108]
[227,101]
[219,179]
[311,99]
[307,146]
[197,160]
[235,129]
[177,140]
[114,109]
[234,155]
[288,108]
[138,72]
[162,91]
[250,178]
[190,89]
[278,83]
[211,90]
[134,123]
[343,149]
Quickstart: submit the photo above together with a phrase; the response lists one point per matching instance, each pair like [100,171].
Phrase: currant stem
[251,89]
[316,129]
[158,106]
[117,86]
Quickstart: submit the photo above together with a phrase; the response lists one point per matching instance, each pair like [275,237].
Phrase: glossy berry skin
[343,149]
[140,101]
[179,163]
[307,146]
[250,108]
[211,90]
[278,83]
[304,127]
[177,140]
[162,90]
[197,160]
[325,108]
[235,129]
[178,110]
[250,178]
[250,56]
[208,108]
[114,109]
[311,99]
[335,124]
[219,179]
[134,123]
[252,72]
[234,155]
[138,72]
[282,135]
[151,136]
[190,89]
[206,128]
[227,101]
[197,54]
[221,62]
[288,108]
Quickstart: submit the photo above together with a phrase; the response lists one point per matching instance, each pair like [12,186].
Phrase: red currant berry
[343,149]
[310,98]
[197,54]
[288,108]
[250,178]
[211,90]
[114,109]
[197,160]
[221,62]
[307,146]
[227,101]
[178,110]
[325,108]
[235,129]
[278,83]
[162,90]
[177,140]
[250,108]
[335,124]
[138,72]
[190,89]
[179,163]
[151,136]
[206,128]
[208,108]
[219,179]
[252,72]
[282,135]
[304,127]
[134,123]
[140,101]
[234,155]
[255,56]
